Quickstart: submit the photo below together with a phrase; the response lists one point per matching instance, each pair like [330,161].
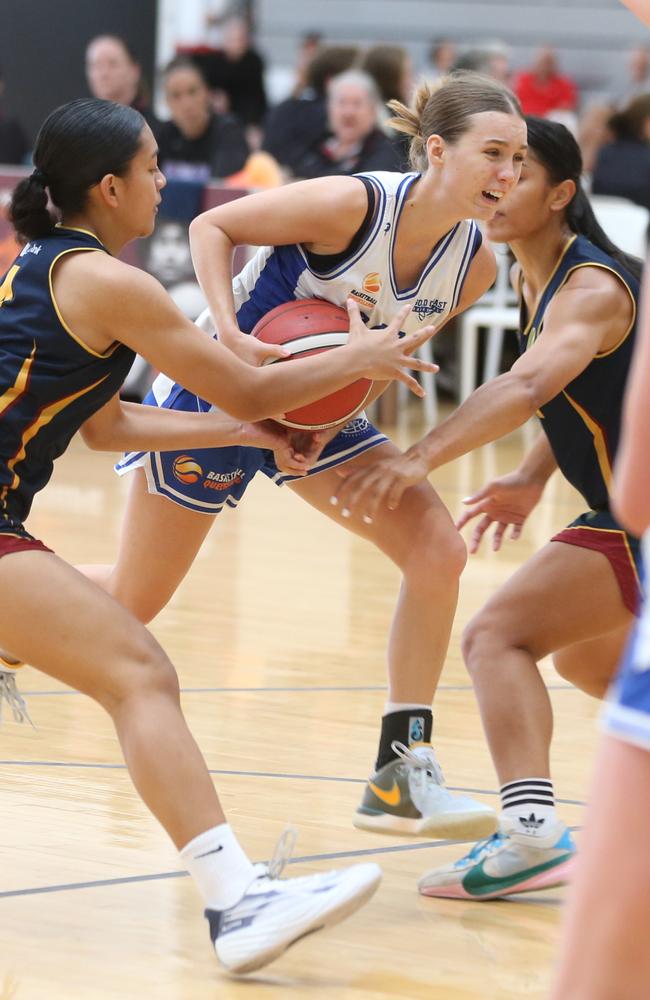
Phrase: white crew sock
[530,802]
[220,868]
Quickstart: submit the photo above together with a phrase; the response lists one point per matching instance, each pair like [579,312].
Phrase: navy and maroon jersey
[50,380]
[583,422]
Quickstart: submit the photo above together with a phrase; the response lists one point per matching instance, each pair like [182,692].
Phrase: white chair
[625,223]
[496,311]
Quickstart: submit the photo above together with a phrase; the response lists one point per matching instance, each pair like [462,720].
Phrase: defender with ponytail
[574,599]
[72,315]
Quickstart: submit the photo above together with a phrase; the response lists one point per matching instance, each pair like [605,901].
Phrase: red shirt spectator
[543,88]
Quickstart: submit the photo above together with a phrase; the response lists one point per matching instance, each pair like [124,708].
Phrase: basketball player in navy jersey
[575,598]
[71,317]
[387,240]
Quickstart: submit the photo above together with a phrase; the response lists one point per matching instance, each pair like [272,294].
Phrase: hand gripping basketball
[310,326]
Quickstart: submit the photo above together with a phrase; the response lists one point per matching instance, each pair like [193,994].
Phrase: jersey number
[6,288]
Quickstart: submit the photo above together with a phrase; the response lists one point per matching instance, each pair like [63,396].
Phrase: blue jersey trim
[437,253]
[276,284]
[374,231]
[474,241]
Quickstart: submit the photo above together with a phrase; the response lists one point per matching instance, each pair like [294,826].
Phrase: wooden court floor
[278,635]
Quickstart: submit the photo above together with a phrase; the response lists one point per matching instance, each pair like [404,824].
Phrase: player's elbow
[529,392]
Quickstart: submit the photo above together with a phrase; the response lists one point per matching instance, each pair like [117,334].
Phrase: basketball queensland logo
[186,469]
[372,283]
[370,289]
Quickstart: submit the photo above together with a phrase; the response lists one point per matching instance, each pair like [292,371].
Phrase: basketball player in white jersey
[386,240]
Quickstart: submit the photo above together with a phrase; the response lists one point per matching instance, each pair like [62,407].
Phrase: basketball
[305,327]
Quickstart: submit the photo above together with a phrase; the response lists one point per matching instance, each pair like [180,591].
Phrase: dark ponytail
[78,144]
[558,152]
[28,211]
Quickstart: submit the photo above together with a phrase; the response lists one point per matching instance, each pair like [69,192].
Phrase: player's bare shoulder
[600,292]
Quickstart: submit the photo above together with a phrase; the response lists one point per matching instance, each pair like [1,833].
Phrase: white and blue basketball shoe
[274,913]
[506,863]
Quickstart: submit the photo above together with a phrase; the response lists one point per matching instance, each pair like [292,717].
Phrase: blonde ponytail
[444,107]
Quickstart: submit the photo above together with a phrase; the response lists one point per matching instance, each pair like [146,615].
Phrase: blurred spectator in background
[14,144]
[638,81]
[354,142]
[113,74]
[391,68]
[297,123]
[593,131]
[544,91]
[235,73]
[310,45]
[197,143]
[490,57]
[623,166]
[441,58]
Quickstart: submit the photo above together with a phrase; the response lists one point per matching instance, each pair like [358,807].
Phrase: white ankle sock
[220,868]
[530,802]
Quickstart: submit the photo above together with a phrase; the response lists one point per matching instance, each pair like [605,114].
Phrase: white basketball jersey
[279,274]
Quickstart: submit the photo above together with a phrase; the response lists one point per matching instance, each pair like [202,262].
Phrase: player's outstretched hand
[388,354]
[504,502]
[363,493]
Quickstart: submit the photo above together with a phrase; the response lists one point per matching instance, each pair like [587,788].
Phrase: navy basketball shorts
[627,711]
[208,479]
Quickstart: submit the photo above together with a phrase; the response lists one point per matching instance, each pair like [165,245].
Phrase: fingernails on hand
[345,512]
[366,519]
[334,501]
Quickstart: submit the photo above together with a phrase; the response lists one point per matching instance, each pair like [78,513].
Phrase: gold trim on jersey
[610,531]
[598,436]
[536,331]
[87,232]
[19,386]
[606,267]
[45,416]
[89,350]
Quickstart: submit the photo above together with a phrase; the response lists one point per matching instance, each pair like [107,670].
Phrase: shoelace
[482,848]
[426,762]
[11,695]
[282,852]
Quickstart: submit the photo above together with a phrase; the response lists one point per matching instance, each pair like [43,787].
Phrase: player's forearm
[147,428]
[212,253]
[493,410]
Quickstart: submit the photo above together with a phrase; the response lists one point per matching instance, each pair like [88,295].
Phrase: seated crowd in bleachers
[216,124]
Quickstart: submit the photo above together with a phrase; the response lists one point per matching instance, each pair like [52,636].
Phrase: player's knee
[144,671]
[438,552]
[479,643]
